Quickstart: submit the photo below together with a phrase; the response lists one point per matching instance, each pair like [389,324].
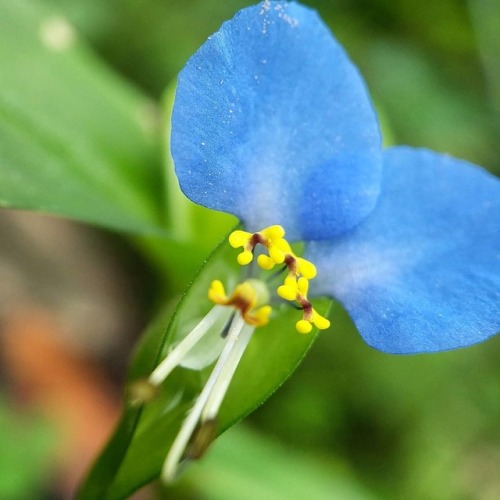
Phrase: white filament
[210,399]
[217,396]
[175,357]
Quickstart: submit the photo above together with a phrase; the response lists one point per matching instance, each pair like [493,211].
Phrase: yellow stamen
[296,290]
[319,321]
[245,257]
[261,315]
[216,292]
[271,238]
[303,326]
[239,238]
[306,268]
[265,262]
[289,290]
[243,239]
[247,298]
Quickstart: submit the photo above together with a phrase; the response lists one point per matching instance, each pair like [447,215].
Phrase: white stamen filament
[210,399]
[219,392]
[174,358]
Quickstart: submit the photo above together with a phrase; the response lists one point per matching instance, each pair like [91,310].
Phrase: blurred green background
[351,422]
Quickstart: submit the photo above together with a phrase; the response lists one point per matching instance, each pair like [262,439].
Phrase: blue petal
[270,115]
[422,272]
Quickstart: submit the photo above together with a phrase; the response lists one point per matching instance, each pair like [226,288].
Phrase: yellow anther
[306,268]
[278,248]
[216,293]
[276,254]
[302,287]
[244,257]
[297,266]
[270,237]
[320,321]
[303,326]
[260,316]
[294,289]
[239,238]
[273,232]
[243,239]
[265,262]
[247,298]
[311,317]
[289,290]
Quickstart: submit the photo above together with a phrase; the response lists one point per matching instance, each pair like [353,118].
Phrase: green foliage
[75,139]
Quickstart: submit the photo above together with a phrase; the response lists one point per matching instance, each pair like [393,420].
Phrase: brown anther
[201,439]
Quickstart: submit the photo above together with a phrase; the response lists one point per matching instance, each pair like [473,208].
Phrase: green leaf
[273,353]
[105,468]
[75,139]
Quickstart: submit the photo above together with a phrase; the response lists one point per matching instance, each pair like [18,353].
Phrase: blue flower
[273,123]
[422,272]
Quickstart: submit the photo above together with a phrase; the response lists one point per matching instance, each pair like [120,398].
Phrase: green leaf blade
[73,138]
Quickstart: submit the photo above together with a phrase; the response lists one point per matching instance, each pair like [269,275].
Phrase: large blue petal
[422,272]
[269,116]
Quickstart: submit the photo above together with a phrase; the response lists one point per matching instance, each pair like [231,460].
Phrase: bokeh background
[351,422]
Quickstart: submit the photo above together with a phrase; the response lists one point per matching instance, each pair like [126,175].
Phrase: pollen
[248,297]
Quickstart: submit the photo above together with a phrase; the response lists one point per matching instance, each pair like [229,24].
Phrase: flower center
[295,286]
[250,299]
